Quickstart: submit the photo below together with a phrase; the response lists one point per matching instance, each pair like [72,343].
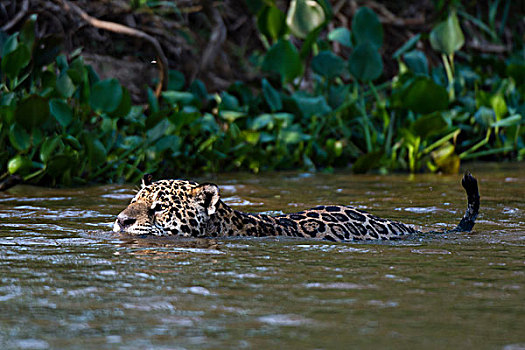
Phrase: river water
[66,282]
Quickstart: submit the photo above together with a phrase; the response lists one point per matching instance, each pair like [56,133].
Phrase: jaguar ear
[207,195]
[147,180]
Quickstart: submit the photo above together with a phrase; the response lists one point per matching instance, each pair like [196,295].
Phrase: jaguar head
[169,207]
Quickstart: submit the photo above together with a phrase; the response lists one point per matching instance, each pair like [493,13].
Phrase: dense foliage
[61,124]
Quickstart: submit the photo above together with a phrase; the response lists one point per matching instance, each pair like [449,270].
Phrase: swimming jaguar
[188,209]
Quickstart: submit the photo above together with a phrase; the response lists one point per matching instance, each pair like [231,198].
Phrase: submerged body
[185,208]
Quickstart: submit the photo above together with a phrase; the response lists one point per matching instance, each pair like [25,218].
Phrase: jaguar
[188,209]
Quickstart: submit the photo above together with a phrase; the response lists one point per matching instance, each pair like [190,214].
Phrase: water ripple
[340,285]
[285,320]
[237,201]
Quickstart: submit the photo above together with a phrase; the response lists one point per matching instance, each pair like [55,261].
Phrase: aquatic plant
[61,125]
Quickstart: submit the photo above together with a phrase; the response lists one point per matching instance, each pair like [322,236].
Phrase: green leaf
[172,142]
[337,95]
[92,75]
[9,45]
[59,164]
[228,102]
[231,116]
[125,105]
[167,142]
[19,165]
[406,46]
[365,62]
[65,85]
[304,16]
[498,104]
[335,147]
[32,112]
[293,135]
[106,95]
[49,80]
[152,100]
[446,158]
[209,124]
[176,80]
[509,121]
[341,35]
[243,92]
[198,89]
[76,74]
[269,121]
[416,61]
[309,42]
[48,148]
[283,119]
[366,27]
[73,142]
[15,61]
[95,150]
[7,98]
[61,111]
[485,116]
[19,138]
[447,36]
[482,98]
[158,129]
[270,22]
[283,58]
[263,121]
[517,72]
[251,137]
[27,32]
[311,106]
[327,9]
[424,96]
[272,97]
[153,119]
[61,61]
[36,136]
[429,124]
[328,64]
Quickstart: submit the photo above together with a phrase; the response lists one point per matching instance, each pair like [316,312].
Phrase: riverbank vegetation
[319,97]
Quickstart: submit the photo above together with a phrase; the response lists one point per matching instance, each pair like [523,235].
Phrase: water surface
[66,282]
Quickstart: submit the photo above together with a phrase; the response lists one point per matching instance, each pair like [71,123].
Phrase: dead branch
[21,14]
[122,29]
[9,181]
[387,17]
[217,38]
[485,47]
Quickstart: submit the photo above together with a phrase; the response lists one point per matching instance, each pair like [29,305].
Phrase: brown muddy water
[68,283]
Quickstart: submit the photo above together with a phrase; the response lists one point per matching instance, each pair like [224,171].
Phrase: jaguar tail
[470,184]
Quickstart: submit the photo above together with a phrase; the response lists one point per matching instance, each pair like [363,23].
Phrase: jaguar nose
[125,221]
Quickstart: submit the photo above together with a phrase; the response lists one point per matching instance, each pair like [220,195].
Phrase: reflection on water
[67,280]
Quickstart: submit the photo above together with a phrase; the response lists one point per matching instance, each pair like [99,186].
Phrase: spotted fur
[185,208]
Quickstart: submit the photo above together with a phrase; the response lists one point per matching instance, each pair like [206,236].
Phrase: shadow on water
[67,281]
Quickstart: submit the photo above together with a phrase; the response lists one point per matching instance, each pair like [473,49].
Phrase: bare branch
[122,29]
[21,14]
[217,38]
[488,47]
[8,181]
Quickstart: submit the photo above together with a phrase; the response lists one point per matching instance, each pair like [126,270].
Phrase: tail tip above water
[469,183]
